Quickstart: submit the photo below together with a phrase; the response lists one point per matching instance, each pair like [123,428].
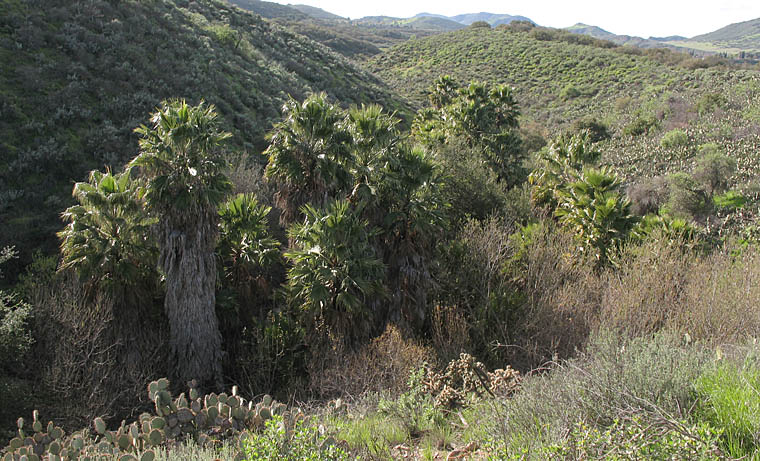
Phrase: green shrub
[638,438]
[302,443]
[713,171]
[730,200]
[686,199]
[643,124]
[569,92]
[598,130]
[648,378]
[673,139]
[709,102]
[15,315]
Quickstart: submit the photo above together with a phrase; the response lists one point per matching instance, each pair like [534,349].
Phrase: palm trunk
[187,258]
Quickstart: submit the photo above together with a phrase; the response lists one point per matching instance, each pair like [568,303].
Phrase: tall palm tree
[183,165]
[308,155]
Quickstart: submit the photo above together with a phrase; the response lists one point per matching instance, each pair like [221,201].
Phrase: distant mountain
[434,23]
[671,38]
[593,31]
[734,38]
[747,32]
[490,18]
[467,19]
[315,12]
[598,32]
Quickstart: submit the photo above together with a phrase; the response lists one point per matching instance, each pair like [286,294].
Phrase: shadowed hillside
[77,78]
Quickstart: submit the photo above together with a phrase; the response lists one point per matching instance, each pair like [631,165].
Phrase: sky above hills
[642,18]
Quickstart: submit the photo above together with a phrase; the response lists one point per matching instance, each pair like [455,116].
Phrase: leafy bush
[569,92]
[598,130]
[648,195]
[673,139]
[335,269]
[709,102]
[302,443]
[643,124]
[730,200]
[713,172]
[686,199]
[634,438]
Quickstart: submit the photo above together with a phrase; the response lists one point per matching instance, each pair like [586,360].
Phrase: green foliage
[598,130]
[709,102]
[596,211]
[641,125]
[730,200]
[558,165]
[674,139]
[82,79]
[335,268]
[674,230]
[107,239]
[649,379]
[15,316]
[713,171]
[486,118]
[686,199]
[634,438]
[181,157]
[729,400]
[308,154]
[246,248]
[205,419]
[302,443]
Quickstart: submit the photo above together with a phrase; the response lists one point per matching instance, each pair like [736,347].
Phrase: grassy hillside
[271,10]
[77,79]
[740,40]
[740,35]
[559,82]
[315,12]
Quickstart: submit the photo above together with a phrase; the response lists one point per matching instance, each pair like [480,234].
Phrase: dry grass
[383,365]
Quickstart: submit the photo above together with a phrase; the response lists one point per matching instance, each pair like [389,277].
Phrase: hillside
[559,81]
[490,18]
[431,23]
[598,32]
[315,12]
[740,40]
[271,10]
[77,79]
[743,34]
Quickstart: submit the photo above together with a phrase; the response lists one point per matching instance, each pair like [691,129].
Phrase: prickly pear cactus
[204,419]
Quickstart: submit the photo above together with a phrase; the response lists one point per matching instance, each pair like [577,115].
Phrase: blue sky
[631,17]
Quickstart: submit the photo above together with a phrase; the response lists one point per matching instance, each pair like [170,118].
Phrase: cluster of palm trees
[361,202]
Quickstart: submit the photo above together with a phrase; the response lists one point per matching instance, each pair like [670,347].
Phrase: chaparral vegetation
[258,231]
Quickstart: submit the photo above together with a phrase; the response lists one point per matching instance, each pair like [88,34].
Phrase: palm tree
[596,211]
[246,249]
[107,239]
[183,166]
[308,155]
[335,269]
[560,165]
